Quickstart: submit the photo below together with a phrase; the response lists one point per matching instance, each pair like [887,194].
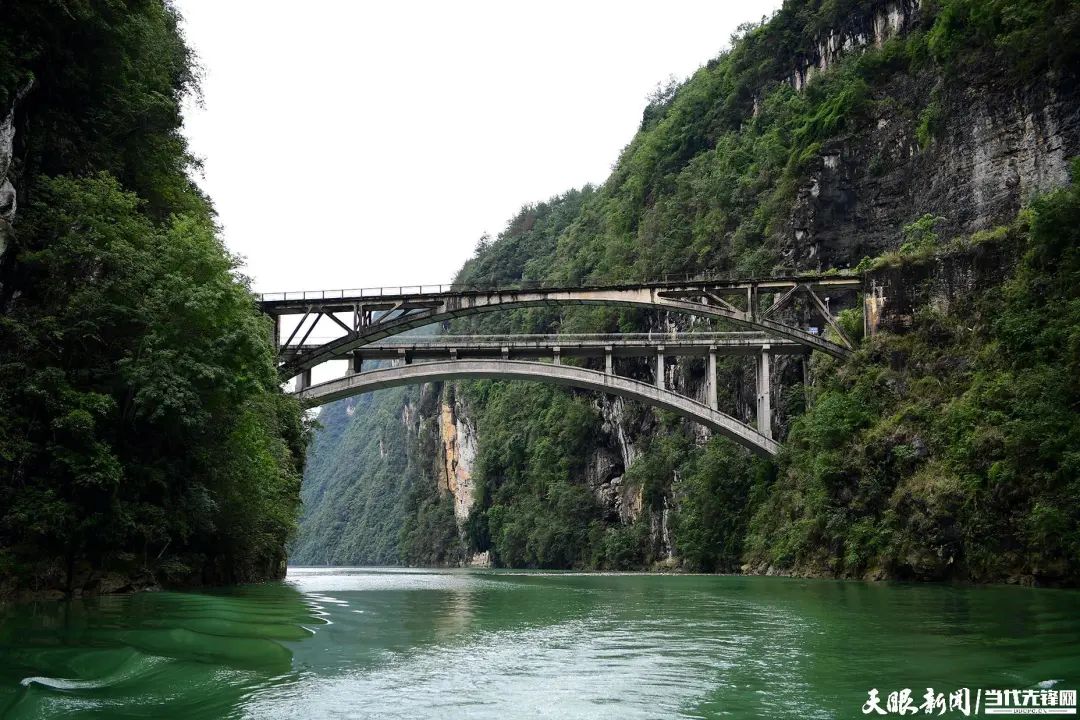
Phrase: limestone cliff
[996,147]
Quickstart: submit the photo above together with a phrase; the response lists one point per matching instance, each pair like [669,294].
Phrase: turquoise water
[331,643]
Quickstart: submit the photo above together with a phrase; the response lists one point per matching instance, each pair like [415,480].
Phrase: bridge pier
[660,379]
[556,355]
[303,380]
[356,363]
[764,394]
[710,380]
[609,363]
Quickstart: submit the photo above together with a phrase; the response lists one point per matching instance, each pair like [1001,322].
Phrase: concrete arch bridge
[419,360]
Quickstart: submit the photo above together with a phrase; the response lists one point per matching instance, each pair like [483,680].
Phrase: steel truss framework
[365,318]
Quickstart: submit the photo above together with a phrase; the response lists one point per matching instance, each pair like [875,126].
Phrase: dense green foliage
[357,483]
[144,429]
[538,513]
[429,535]
[950,450]
[108,79]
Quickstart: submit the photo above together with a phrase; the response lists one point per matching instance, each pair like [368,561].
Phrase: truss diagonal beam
[313,324]
[828,316]
[721,302]
[782,301]
[342,325]
[297,328]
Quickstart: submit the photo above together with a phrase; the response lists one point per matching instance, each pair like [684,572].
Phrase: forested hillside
[926,145]
[144,438]
[354,516]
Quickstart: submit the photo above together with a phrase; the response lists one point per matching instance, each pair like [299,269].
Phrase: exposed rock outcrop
[861,30]
[459,453]
[8,199]
[936,282]
[993,149]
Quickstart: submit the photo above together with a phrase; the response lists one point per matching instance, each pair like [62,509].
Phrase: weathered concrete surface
[543,372]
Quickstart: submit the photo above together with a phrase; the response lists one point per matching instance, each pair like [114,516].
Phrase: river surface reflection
[336,642]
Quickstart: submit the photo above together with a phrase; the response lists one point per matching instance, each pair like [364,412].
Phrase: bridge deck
[394,297]
[567,345]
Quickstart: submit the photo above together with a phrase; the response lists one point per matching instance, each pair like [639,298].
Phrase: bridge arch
[566,375]
[458,305]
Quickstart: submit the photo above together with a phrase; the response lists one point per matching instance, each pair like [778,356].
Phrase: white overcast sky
[354,144]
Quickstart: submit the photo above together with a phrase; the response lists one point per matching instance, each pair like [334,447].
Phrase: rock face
[935,283]
[459,453]
[995,148]
[992,145]
[873,27]
[8,194]
[8,200]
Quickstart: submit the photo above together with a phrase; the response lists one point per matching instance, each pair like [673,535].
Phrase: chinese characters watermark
[969,702]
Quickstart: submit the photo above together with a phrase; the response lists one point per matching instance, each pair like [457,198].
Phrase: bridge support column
[609,363]
[764,394]
[556,356]
[753,301]
[303,380]
[710,380]
[356,363]
[660,367]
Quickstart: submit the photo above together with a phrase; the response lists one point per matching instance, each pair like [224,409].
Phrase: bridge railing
[390,290]
[441,289]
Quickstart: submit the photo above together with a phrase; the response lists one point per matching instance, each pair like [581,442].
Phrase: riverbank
[53,581]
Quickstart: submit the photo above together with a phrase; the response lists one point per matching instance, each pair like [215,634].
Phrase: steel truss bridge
[364,319]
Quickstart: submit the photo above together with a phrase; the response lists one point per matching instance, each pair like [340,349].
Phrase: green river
[390,643]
